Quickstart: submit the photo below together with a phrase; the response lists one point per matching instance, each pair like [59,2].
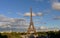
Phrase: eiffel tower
[31,28]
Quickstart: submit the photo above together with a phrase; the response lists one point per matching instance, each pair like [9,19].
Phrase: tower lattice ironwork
[31,28]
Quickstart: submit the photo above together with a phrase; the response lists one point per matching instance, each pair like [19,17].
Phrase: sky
[45,12]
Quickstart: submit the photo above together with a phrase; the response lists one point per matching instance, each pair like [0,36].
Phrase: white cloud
[56,18]
[4,24]
[40,14]
[5,21]
[56,5]
[18,24]
[2,18]
[28,14]
[43,27]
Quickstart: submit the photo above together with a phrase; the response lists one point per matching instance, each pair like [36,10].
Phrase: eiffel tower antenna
[31,28]
[31,15]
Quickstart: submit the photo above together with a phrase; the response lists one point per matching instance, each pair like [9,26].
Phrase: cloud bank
[56,18]
[28,14]
[39,14]
[56,5]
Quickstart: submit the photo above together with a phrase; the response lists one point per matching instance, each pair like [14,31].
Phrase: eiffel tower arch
[31,28]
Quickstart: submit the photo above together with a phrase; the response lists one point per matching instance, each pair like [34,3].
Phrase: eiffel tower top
[31,14]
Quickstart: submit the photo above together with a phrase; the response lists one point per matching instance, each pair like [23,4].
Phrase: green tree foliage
[18,34]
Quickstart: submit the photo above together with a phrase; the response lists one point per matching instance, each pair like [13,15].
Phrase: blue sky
[17,9]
